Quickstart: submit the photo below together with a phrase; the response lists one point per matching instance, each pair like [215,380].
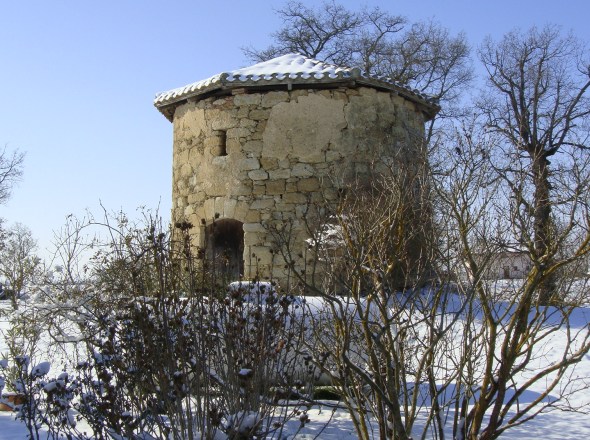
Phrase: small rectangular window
[219,147]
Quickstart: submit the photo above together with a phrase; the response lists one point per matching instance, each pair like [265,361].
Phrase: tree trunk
[542,225]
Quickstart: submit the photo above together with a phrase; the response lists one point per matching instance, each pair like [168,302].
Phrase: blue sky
[78,78]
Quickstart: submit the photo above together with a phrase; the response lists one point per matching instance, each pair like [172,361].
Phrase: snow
[290,66]
[41,369]
[329,422]
[285,69]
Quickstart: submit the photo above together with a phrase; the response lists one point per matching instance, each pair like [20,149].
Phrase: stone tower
[256,146]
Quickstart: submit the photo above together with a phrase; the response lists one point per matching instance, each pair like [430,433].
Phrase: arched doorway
[225,247]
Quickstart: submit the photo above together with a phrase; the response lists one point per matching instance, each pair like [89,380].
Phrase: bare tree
[537,100]
[452,351]
[19,264]
[423,56]
[505,329]
[11,169]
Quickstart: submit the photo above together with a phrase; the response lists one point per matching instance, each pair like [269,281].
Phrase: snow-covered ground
[327,423]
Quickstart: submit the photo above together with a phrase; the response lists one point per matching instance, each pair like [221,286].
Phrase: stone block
[265,216]
[294,197]
[262,204]
[253,227]
[242,113]
[259,188]
[302,170]
[243,188]
[209,209]
[282,206]
[330,194]
[188,211]
[291,186]
[221,102]
[271,99]
[248,164]
[308,185]
[247,99]
[219,205]
[245,122]
[258,134]
[274,187]
[252,239]
[252,216]
[279,173]
[238,132]
[296,94]
[220,162]
[313,158]
[223,120]
[186,170]
[232,145]
[252,147]
[268,163]
[259,114]
[317,197]
[229,208]
[258,175]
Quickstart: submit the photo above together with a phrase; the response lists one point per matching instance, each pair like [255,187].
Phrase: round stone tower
[255,148]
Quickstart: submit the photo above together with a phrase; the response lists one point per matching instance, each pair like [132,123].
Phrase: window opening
[219,144]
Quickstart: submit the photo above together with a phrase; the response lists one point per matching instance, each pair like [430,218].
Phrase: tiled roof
[289,70]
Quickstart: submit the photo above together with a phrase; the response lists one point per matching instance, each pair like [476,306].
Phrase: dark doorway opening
[225,244]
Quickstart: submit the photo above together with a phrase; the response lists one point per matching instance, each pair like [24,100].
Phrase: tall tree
[19,264]
[423,56]
[537,100]
[10,172]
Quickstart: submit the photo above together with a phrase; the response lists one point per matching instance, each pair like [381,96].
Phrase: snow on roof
[287,70]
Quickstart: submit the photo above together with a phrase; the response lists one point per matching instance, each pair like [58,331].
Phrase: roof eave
[167,106]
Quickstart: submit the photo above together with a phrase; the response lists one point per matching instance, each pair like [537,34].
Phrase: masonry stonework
[258,157]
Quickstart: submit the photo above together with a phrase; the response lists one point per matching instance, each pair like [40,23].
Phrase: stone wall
[262,157]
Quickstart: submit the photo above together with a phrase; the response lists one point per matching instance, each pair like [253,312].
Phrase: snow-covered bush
[162,349]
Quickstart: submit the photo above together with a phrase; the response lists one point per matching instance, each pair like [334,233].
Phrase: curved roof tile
[287,70]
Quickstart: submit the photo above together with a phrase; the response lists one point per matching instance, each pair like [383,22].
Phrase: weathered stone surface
[295,197]
[247,99]
[252,147]
[252,216]
[308,185]
[275,187]
[229,207]
[271,99]
[303,128]
[186,170]
[302,170]
[239,132]
[262,204]
[280,173]
[258,175]
[258,114]
[249,163]
[252,239]
[253,227]
[268,163]
[265,156]
[259,188]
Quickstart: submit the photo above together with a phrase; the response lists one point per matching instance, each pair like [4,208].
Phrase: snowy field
[328,422]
